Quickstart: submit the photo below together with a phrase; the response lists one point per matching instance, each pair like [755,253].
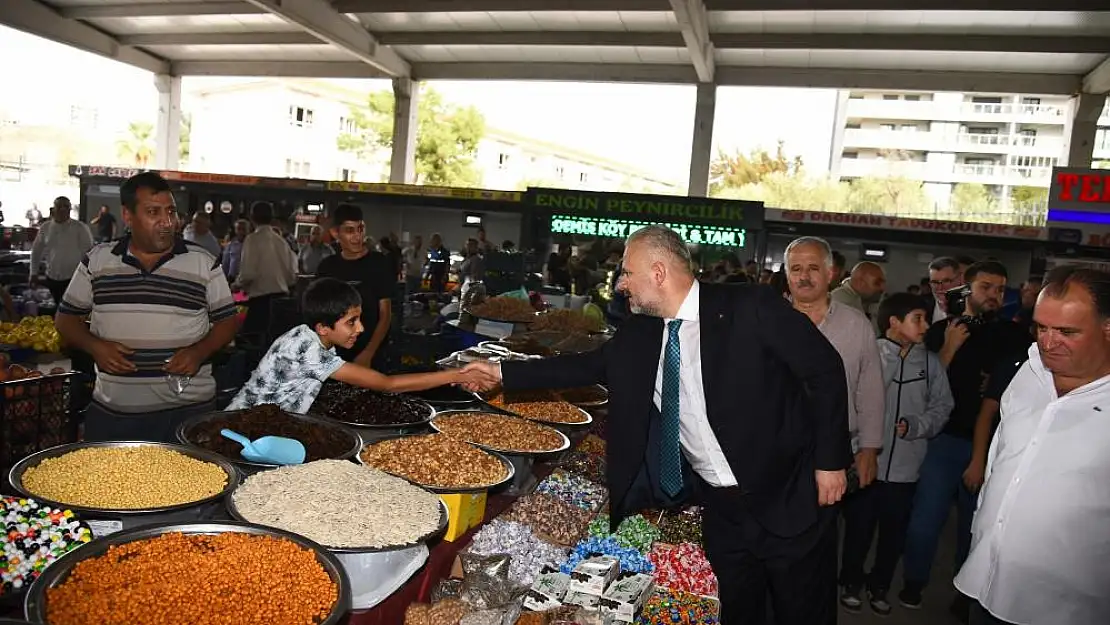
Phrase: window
[886,127]
[1028,133]
[982,130]
[1031,101]
[347,126]
[908,128]
[912,98]
[850,155]
[297,169]
[986,100]
[300,116]
[559,172]
[502,161]
[890,97]
[583,177]
[346,175]
[852,126]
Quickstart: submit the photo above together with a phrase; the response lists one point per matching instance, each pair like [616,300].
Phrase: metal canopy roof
[1035,46]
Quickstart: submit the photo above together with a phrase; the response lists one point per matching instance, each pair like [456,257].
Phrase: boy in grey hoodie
[918,402]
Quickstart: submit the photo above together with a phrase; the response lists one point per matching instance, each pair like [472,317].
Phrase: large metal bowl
[15,477]
[184,433]
[430,412]
[56,574]
[589,404]
[588,418]
[510,470]
[509,452]
[444,518]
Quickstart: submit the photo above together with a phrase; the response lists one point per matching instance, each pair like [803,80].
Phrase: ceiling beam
[900,6]
[220,39]
[38,19]
[319,19]
[576,72]
[166,9]
[899,80]
[1098,80]
[436,6]
[693,22]
[533,38]
[284,69]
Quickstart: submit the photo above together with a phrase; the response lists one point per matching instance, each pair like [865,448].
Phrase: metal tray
[55,574]
[389,426]
[426,538]
[15,477]
[510,470]
[185,426]
[589,417]
[462,398]
[510,452]
[589,404]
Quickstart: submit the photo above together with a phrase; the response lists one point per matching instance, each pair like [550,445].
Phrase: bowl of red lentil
[224,573]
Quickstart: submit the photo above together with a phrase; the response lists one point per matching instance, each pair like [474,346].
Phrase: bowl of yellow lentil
[124,477]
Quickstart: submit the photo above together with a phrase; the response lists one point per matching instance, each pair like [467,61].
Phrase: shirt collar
[122,249]
[691,306]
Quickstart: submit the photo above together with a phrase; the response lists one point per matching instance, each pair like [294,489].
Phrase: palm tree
[186,133]
[138,147]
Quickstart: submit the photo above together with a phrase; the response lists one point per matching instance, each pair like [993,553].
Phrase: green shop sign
[649,208]
[619,228]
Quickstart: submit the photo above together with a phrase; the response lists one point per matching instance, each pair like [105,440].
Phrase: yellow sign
[425,191]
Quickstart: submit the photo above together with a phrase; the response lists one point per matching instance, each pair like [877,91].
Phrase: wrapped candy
[527,554]
[634,532]
[682,527]
[683,567]
[34,536]
[630,559]
[589,466]
[574,490]
[670,607]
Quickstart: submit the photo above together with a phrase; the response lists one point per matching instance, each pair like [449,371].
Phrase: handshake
[479,376]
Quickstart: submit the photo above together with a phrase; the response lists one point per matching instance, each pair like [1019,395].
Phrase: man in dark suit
[725,395]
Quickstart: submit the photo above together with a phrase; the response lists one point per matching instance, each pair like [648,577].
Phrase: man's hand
[955,335]
[111,357]
[480,376]
[867,466]
[186,361]
[831,486]
[975,475]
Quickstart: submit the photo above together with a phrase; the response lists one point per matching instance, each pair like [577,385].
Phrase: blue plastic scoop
[268,449]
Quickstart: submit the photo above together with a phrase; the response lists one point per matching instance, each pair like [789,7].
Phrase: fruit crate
[35,414]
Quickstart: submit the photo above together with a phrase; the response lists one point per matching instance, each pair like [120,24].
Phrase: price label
[100,529]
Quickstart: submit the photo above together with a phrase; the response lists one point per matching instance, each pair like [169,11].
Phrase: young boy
[296,365]
[918,402]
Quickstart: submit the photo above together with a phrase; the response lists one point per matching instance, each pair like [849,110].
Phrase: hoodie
[916,390]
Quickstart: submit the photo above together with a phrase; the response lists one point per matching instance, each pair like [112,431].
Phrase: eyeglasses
[944,282]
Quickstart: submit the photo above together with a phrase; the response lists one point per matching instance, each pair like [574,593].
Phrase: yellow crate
[464,511]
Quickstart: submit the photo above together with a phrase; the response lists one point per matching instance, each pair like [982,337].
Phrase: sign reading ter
[616,228]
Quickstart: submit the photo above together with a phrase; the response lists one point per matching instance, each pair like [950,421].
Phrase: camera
[956,299]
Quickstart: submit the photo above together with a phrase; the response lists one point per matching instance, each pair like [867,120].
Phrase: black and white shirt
[291,373]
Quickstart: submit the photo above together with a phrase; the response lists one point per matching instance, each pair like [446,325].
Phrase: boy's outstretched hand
[480,376]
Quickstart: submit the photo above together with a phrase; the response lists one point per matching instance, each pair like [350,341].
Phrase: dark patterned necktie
[670,453]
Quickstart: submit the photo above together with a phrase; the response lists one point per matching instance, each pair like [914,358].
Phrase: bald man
[863,289]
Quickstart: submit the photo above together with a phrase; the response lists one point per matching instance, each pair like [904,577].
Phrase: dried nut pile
[339,504]
[564,320]
[124,478]
[435,460]
[500,432]
[446,612]
[550,519]
[550,411]
[225,579]
[320,440]
[592,444]
[504,309]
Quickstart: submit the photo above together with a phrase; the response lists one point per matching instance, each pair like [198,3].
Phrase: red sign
[909,223]
[1074,186]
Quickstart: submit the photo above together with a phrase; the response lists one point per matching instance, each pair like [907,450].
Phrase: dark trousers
[980,616]
[438,280]
[940,481]
[257,321]
[799,571]
[104,424]
[885,506]
[57,289]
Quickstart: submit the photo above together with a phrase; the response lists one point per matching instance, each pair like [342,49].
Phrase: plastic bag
[375,576]
[486,582]
[446,589]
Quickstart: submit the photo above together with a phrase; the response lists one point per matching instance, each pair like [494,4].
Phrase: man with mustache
[974,347]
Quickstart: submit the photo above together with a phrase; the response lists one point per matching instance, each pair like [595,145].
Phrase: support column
[701,148]
[167,131]
[406,102]
[1079,133]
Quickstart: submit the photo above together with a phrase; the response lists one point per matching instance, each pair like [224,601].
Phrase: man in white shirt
[267,268]
[200,232]
[414,257]
[1040,551]
[61,243]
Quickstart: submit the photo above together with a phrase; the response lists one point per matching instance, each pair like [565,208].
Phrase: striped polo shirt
[154,313]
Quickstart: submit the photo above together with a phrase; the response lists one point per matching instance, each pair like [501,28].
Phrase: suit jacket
[775,395]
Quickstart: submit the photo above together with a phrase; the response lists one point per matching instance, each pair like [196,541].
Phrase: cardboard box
[593,575]
[548,591]
[464,511]
[583,599]
[626,596]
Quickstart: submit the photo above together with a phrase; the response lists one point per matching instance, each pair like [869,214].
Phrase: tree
[737,170]
[185,137]
[447,137]
[887,196]
[974,202]
[1029,205]
[783,190]
[137,148]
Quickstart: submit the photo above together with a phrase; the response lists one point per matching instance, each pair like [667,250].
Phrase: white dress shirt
[699,444]
[1040,552]
[61,246]
[267,265]
[938,312]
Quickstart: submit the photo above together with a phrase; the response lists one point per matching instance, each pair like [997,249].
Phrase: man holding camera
[975,345]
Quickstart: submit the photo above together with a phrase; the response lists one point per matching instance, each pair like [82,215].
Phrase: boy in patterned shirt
[296,365]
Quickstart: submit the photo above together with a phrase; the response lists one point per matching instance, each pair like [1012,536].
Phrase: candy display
[35,535]
[175,579]
[498,431]
[634,532]
[681,527]
[667,607]
[549,518]
[630,559]
[435,460]
[351,404]
[683,567]
[339,504]
[124,478]
[589,466]
[321,441]
[575,490]
[528,554]
[550,411]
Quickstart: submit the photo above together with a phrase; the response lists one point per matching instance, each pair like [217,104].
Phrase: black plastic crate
[36,414]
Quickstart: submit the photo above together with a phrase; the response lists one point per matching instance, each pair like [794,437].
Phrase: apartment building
[289,128]
[1002,141]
